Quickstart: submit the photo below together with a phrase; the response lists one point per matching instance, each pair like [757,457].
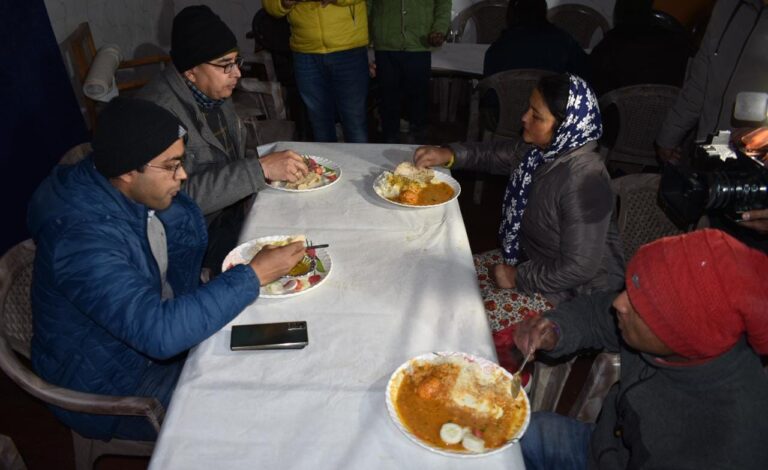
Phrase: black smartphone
[285,335]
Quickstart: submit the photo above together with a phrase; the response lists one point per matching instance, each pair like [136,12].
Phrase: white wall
[139,27]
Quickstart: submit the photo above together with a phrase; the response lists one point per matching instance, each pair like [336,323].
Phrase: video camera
[721,179]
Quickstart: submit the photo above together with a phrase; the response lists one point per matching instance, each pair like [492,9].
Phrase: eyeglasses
[228,67]
[172,168]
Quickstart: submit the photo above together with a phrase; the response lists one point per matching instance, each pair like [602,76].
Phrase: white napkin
[100,83]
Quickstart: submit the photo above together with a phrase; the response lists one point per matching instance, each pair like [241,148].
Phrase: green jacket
[404,25]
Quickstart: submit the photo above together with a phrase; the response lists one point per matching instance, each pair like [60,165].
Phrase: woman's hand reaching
[428,156]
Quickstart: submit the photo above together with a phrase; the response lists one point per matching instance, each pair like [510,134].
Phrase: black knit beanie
[129,133]
[198,36]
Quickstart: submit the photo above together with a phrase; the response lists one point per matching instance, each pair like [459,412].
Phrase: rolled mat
[100,84]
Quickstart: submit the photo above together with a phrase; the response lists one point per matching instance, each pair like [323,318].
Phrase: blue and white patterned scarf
[202,99]
[582,124]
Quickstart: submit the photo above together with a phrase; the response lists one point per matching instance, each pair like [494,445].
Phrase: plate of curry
[453,389]
[406,192]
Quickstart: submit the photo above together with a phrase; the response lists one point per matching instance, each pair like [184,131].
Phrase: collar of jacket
[186,98]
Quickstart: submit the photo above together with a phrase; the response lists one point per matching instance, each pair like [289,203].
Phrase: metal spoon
[516,382]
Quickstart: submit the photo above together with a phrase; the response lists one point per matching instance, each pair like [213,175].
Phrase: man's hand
[535,333]
[274,261]
[504,275]
[372,69]
[436,39]
[668,155]
[757,220]
[288,4]
[284,166]
[429,156]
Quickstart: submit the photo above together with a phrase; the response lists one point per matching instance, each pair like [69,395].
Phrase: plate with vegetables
[322,174]
[308,274]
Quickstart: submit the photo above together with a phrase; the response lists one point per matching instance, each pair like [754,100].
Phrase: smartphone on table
[284,335]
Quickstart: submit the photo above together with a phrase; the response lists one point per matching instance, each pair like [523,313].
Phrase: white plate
[320,160]
[439,176]
[487,366]
[245,252]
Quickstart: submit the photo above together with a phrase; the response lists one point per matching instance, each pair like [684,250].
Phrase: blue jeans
[334,84]
[556,442]
[403,74]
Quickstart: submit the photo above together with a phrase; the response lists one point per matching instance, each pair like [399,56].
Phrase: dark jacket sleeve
[585,207]
[110,290]
[496,157]
[586,322]
[684,114]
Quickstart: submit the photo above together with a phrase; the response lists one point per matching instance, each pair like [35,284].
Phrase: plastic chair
[502,117]
[641,219]
[261,106]
[10,459]
[641,110]
[15,339]
[489,18]
[549,381]
[496,109]
[580,21]
[76,153]
[80,49]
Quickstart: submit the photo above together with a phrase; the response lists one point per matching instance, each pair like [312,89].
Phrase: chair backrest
[76,153]
[512,89]
[580,21]
[488,16]
[641,219]
[640,113]
[549,381]
[79,49]
[15,306]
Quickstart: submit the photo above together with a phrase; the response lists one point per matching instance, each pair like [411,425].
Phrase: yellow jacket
[316,29]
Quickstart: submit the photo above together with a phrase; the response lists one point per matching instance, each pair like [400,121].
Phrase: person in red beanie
[690,328]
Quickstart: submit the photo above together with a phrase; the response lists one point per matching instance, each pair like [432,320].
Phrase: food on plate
[318,175]
[307,272]
[414,186]
[456,404]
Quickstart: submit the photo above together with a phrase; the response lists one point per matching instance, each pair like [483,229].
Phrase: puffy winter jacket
[317,29]
[98,317]
[568,231]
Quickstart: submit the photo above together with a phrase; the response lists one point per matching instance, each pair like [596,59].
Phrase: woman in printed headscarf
[557,235]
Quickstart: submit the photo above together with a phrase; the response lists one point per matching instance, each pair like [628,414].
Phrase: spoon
[516,381]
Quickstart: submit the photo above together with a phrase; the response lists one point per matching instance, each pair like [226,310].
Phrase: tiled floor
[46,445]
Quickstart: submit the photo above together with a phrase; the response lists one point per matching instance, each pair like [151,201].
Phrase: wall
[138,27]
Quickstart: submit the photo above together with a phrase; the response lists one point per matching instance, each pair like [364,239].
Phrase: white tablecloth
[459,57]
[402,284]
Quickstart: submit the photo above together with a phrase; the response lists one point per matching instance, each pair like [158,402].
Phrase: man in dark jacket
[116,296]
[197,89]
[692,391]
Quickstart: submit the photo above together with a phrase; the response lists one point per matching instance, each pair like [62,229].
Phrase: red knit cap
[699,292]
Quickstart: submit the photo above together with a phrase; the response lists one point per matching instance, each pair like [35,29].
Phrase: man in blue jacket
[116,296]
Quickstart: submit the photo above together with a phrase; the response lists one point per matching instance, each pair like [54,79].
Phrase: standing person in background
[532,42]
[328,40]
[402,33]
[732,58]
[222,175]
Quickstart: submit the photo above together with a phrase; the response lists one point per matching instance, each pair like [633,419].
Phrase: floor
[45,444]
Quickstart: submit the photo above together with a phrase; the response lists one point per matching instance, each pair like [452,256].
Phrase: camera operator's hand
[757,220]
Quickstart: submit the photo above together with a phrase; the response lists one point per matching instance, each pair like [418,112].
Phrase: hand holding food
[320,174]
[428,156]
[271,262]
[284,166]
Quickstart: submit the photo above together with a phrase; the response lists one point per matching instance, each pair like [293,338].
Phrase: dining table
[401,283]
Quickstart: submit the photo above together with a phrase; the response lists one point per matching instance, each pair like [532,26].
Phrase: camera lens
[738,191]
